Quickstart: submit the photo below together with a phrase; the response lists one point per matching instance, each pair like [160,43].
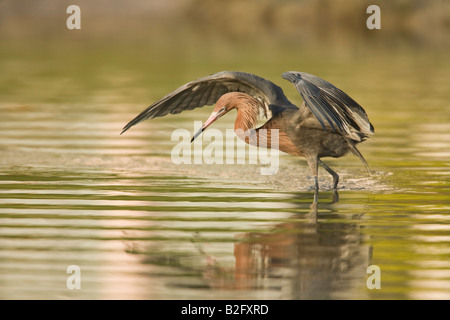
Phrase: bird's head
[223,105]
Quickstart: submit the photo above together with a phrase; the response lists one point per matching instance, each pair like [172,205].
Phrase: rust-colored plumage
[328,124]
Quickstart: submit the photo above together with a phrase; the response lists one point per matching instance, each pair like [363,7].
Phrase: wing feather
[332,107]
[207,90]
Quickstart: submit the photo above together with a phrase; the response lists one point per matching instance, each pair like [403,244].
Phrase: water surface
[75,192]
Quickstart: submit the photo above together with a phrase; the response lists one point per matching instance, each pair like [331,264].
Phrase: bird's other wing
[331,105]
[207,90]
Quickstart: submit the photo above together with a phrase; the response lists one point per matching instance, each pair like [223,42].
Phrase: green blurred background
[124,48]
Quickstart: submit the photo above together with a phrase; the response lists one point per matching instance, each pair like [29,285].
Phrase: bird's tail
[356,152]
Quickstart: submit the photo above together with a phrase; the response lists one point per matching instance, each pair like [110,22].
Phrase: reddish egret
[328,124]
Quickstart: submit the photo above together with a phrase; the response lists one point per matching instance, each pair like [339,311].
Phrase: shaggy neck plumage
[248,111]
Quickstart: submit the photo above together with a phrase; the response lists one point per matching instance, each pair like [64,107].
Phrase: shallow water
[75,192]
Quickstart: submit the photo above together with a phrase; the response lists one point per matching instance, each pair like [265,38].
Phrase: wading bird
[328,124]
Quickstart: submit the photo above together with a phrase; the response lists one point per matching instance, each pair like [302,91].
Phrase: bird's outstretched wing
[331,105]
[207,90]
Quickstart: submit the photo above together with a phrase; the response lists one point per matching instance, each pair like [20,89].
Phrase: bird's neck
[260,137]
[245,125]
[247,116]
[272,134]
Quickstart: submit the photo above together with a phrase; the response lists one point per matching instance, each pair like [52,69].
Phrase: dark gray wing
[207,90]
[331,105]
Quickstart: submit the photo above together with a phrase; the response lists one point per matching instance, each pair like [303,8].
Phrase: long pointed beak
[213,117]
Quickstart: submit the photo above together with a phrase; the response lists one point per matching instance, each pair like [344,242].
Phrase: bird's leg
[316,190]
[335,180]
[313,163]
[333,174]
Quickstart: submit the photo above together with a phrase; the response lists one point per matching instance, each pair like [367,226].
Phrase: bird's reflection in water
[305,259]
[318,254]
